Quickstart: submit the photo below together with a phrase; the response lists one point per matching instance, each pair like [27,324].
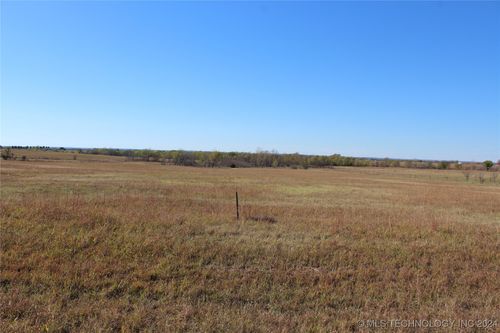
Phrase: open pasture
[130,246]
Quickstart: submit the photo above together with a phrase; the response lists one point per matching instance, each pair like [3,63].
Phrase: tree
[443,165]
[481,177]
[7,154]
[466,174]
[215,158]
[488,164]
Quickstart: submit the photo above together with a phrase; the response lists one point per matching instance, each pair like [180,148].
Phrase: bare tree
[466,175]
[481,177]
[494,176]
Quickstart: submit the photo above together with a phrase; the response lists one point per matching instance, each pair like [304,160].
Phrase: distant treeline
[263,159]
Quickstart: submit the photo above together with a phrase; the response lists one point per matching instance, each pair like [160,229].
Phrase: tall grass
[119,246]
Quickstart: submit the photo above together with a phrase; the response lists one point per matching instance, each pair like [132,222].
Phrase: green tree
[443,165]
[215,158]
[488,164]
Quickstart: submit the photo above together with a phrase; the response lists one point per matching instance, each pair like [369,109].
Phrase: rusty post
[237,207]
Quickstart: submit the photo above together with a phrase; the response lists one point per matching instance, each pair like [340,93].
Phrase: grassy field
[108,245]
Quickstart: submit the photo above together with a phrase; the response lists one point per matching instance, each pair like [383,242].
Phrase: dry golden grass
[128,246]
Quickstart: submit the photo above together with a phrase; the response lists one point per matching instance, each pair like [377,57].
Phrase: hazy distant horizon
[261,150]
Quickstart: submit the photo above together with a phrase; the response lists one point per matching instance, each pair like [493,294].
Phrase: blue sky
[382,79]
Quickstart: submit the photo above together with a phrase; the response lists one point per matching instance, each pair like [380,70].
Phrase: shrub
[7,154]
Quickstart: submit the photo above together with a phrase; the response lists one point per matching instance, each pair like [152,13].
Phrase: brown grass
[128,246]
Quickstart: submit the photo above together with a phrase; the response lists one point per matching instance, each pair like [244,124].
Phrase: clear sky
[381,79]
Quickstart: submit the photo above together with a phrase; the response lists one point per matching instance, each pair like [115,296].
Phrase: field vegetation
[260,158]
[98,243]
